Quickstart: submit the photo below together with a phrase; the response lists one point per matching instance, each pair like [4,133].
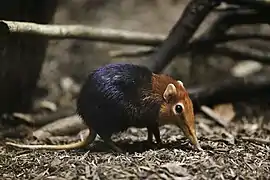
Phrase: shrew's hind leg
[150,135]
[109,142]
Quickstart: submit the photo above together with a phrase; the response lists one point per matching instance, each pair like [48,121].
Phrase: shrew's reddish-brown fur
[166,115]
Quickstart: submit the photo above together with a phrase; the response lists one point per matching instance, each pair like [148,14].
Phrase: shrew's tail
[88,140]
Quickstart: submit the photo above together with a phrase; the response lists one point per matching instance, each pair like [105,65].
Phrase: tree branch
[132,53]
[83,32]
[207,41]
[180,34]
[216,35]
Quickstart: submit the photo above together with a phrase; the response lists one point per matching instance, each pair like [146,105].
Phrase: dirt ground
[226,155]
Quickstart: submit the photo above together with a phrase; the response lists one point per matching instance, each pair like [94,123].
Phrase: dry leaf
[225,111]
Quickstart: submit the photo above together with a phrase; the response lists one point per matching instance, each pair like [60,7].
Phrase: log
[21,56]
[230,90]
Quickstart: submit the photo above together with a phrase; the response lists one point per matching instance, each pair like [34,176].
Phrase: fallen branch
[256,140]
[66,126]
[83,32]
[230,90]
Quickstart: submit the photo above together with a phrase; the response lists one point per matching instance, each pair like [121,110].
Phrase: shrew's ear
[181,83]
[169,92]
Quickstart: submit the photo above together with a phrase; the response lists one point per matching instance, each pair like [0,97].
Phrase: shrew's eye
[179,108]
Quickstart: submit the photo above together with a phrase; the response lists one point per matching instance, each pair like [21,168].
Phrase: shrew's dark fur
[117,96]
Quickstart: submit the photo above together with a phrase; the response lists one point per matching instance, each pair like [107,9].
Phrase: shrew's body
[118,96]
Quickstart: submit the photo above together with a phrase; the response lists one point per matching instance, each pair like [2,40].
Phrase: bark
[21,56]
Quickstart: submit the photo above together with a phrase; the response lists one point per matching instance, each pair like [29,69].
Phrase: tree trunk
[22,56]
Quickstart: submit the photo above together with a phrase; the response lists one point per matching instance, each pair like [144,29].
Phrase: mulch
[225,156]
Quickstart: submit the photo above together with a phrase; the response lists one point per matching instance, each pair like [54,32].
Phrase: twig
[208,111]
[131,53]
[84,32]
[256,140]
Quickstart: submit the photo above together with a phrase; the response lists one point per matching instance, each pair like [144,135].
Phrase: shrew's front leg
[150,135]
[157,135]
[153,129]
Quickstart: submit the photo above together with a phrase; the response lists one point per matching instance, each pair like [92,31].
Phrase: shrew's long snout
[191,135]
[188,127]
